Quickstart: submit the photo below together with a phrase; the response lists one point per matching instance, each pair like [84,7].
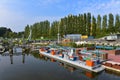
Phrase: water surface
[37,67]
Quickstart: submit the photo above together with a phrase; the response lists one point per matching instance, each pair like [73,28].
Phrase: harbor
[106,56]
[74,60]
[60,40]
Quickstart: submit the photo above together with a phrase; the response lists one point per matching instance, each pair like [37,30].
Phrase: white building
[112,37]
[73,37]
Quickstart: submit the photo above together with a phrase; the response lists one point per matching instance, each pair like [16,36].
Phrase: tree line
[85,24]
[8,33]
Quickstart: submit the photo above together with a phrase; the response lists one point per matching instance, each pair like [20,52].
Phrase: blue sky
[16,14]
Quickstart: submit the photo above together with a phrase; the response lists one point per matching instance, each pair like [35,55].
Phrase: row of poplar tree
[85,24]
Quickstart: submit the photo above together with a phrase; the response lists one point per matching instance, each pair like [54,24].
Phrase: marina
[60,40]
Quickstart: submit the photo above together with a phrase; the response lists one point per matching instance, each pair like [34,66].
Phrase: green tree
[26,31]
[98,25]
[4,32]
[93,26]
[88,24]
[81,25]
[84,24]
[54,29]
[111,28]
[104,24]
[117,23]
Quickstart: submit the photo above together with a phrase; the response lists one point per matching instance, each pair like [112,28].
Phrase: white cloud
[17,20]
[50,18]
[111,6]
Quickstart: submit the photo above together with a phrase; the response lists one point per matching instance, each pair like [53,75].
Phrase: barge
[71,58]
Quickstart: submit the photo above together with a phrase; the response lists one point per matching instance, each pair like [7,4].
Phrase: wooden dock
[113,66]
[112,69]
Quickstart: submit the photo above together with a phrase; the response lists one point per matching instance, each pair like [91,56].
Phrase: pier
[78,63]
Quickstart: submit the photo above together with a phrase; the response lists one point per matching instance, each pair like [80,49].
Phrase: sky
[16,14]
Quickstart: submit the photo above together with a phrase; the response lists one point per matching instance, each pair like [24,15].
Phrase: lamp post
[58,33]
[65,29]
[58,38]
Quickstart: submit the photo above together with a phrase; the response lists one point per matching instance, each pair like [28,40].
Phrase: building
[73,37]
[112,37]
[84,37]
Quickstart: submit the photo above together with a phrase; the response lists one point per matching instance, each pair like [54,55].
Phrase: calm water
[36,67]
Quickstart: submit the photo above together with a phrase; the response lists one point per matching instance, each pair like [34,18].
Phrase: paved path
[115,58]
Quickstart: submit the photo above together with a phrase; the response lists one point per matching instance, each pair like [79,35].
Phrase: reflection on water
[68,67]
[112,72]
[86,73]
[35,66]
[52,60]
[23,58]
[11,57]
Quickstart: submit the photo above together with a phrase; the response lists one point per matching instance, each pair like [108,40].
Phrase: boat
[2,49]
[69,56]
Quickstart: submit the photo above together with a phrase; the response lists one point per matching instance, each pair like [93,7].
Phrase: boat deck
[77,63]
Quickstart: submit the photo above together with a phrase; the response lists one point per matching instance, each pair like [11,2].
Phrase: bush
[73,45]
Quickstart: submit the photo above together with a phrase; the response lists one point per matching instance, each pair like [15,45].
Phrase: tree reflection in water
[17,54]
[34,66]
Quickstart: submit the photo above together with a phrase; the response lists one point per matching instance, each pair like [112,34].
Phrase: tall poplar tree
[84,24]
[26,32]
[104,24]
[88,23]
[111,28]
[93,26]
[98,25]
[117,23]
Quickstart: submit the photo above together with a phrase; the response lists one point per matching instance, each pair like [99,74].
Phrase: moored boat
[2,49]
[69,56]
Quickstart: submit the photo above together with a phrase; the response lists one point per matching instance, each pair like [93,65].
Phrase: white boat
[78,63]
[2,49]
